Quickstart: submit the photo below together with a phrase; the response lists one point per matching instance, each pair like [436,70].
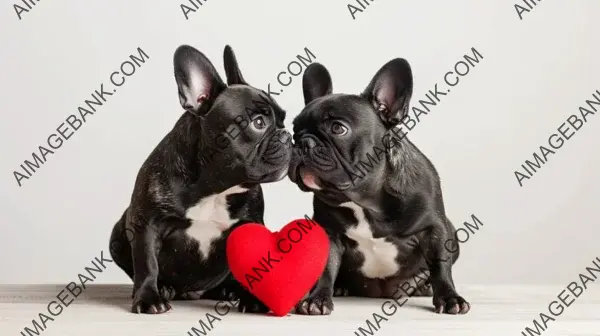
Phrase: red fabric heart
[279,268]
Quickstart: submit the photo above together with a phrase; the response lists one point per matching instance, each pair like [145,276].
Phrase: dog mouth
[308,179]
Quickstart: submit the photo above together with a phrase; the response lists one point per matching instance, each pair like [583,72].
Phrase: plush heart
[279,268]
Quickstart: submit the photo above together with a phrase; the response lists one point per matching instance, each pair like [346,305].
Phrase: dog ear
[198,82]
[390,90]
[316,82]
[232,70]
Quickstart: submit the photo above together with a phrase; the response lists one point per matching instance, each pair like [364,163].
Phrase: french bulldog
[201,182]
[378,197]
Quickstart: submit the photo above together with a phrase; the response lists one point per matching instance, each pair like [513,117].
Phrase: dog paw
[167,292]
[451,304]
[317,304]
[220,293]
[148,301]
[226,294]
[341,291]
[250,304]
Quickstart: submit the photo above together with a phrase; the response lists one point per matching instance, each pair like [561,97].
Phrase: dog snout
[279,148]
[307,143]
[282,138]
[285,138]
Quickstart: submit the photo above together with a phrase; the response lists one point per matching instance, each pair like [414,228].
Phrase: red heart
[279,268]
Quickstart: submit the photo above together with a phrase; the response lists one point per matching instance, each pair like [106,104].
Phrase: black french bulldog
[378,197]
[199,183]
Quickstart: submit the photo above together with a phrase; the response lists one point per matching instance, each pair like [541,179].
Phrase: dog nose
[307,143]
[284,137]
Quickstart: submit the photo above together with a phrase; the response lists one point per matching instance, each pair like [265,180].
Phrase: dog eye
[338,129]
[259,123]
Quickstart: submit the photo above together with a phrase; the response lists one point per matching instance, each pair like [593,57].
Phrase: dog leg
[120,247]
[320,299]
[445,297]
[147,298]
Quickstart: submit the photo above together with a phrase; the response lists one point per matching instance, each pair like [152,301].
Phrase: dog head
[337,136]
[241,127]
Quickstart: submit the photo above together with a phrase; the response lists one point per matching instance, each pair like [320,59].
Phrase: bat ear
[198,82]
[232,70]
[316,82]
[390,90]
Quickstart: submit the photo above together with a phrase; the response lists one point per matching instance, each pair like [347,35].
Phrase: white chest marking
[210,218]
[380,255]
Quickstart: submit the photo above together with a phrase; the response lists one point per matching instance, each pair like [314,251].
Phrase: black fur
[398,190]
[218,143]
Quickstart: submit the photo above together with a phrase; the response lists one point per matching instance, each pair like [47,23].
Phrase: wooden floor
[496,310]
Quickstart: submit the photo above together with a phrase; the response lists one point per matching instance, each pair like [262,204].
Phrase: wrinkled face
[242,131]
[341,140]
[247,132]
[332,136]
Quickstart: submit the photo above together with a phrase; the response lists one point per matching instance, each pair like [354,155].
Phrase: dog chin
[273,176]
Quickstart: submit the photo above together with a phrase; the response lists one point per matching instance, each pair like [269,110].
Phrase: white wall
[535,73]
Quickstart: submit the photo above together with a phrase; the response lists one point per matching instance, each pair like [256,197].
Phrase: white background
[535,73]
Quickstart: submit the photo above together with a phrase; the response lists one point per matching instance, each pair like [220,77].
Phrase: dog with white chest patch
[199,183]
[378,197]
